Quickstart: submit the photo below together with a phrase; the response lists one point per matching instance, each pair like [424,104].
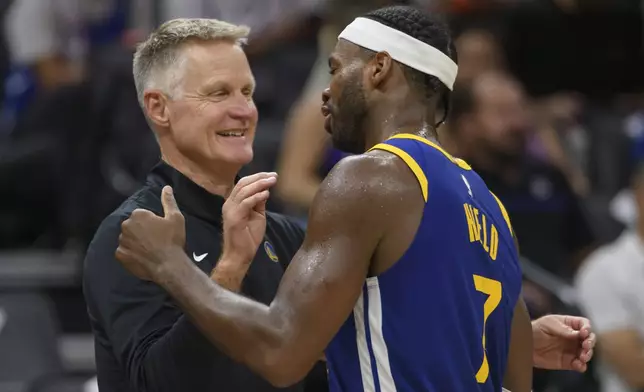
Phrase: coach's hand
[563,343]
[148,242]
[245,217]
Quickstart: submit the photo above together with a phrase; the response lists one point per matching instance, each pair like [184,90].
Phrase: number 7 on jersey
[493,289]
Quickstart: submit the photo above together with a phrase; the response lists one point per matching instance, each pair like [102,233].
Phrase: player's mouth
[326,112]
[232,133]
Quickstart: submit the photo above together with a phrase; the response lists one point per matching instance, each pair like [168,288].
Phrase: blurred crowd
[548,108]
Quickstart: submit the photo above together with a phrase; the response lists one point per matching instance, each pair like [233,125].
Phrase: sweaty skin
[362,220]
[350,220]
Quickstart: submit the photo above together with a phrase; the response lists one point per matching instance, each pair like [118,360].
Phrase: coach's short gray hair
[157,63]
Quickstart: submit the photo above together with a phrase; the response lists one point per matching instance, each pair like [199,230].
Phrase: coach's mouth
[233,132]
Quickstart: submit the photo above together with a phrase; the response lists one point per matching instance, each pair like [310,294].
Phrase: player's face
[344,104]
[213,117]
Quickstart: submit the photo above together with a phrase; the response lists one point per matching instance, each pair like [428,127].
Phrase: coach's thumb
[170,207]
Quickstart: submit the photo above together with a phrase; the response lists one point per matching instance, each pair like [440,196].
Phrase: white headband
[401,47]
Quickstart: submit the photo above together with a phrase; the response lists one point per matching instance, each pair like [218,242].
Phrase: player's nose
[326,95]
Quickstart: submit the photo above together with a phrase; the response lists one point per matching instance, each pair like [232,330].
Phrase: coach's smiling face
[210,118]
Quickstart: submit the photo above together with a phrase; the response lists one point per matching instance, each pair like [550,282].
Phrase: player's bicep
[518,375]
[326,276]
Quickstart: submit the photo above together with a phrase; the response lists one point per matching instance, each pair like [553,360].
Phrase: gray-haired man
[195,87]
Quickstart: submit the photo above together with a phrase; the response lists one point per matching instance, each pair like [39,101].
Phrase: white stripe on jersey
[378,344]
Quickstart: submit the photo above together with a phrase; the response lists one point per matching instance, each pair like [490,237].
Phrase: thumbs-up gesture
[147,241]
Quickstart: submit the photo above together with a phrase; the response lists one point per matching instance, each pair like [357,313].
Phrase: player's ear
[380,68]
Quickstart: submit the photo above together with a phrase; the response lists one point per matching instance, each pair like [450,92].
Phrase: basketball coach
[195,87]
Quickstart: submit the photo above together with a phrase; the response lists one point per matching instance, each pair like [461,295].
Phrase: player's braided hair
[429,29]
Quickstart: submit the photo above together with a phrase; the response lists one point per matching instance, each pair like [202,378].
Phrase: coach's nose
[242,109]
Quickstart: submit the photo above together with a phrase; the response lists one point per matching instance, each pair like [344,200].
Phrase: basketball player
[408,275]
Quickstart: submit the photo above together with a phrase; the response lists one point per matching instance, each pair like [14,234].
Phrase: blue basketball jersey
[440,318]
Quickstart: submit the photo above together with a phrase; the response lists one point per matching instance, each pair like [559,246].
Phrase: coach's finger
[170,207]
[255,187]
[252,201]
[249,180]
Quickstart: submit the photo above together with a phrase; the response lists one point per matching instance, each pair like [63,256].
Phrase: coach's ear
[155,104]
[381,68]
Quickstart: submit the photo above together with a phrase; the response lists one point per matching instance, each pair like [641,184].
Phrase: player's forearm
[243,329]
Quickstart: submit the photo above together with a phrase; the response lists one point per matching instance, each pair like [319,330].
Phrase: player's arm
[281,342]
[518,374]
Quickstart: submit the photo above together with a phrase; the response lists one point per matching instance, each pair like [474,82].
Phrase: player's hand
[563,343]
[245,217]
[148,242]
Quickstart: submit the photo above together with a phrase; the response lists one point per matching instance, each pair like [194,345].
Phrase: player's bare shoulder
[376,187]
[402,182]
[377,174]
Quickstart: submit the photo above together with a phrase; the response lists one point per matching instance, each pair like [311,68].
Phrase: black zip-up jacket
[143,341]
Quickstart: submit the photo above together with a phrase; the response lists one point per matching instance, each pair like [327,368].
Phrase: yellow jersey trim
[411,163]
[504,212]
[457,161]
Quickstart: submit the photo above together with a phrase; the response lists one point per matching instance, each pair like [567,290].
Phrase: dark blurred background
[556,85]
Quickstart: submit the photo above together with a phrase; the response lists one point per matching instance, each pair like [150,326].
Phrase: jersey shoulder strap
[413,150]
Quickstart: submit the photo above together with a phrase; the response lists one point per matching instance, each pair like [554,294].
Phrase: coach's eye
[219,94]
[248,92]
[332,71]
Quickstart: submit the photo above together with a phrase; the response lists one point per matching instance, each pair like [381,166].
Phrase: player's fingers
[140,215]
[170,207]
[249,180]
[578,323]
[585,326]
[126,241]
[122,254]
[573,322]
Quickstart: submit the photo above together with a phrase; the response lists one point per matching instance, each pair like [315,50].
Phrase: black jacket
[143,341]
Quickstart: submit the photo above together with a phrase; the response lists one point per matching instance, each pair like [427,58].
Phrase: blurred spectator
[490,129]
[612,293]
[52,36]
[478,52]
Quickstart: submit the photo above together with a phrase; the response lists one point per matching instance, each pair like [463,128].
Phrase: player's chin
[328,124]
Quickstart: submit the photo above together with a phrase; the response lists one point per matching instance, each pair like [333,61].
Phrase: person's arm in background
[518,375]
[620,344]
[302,152]
[580,240]
[148,333]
